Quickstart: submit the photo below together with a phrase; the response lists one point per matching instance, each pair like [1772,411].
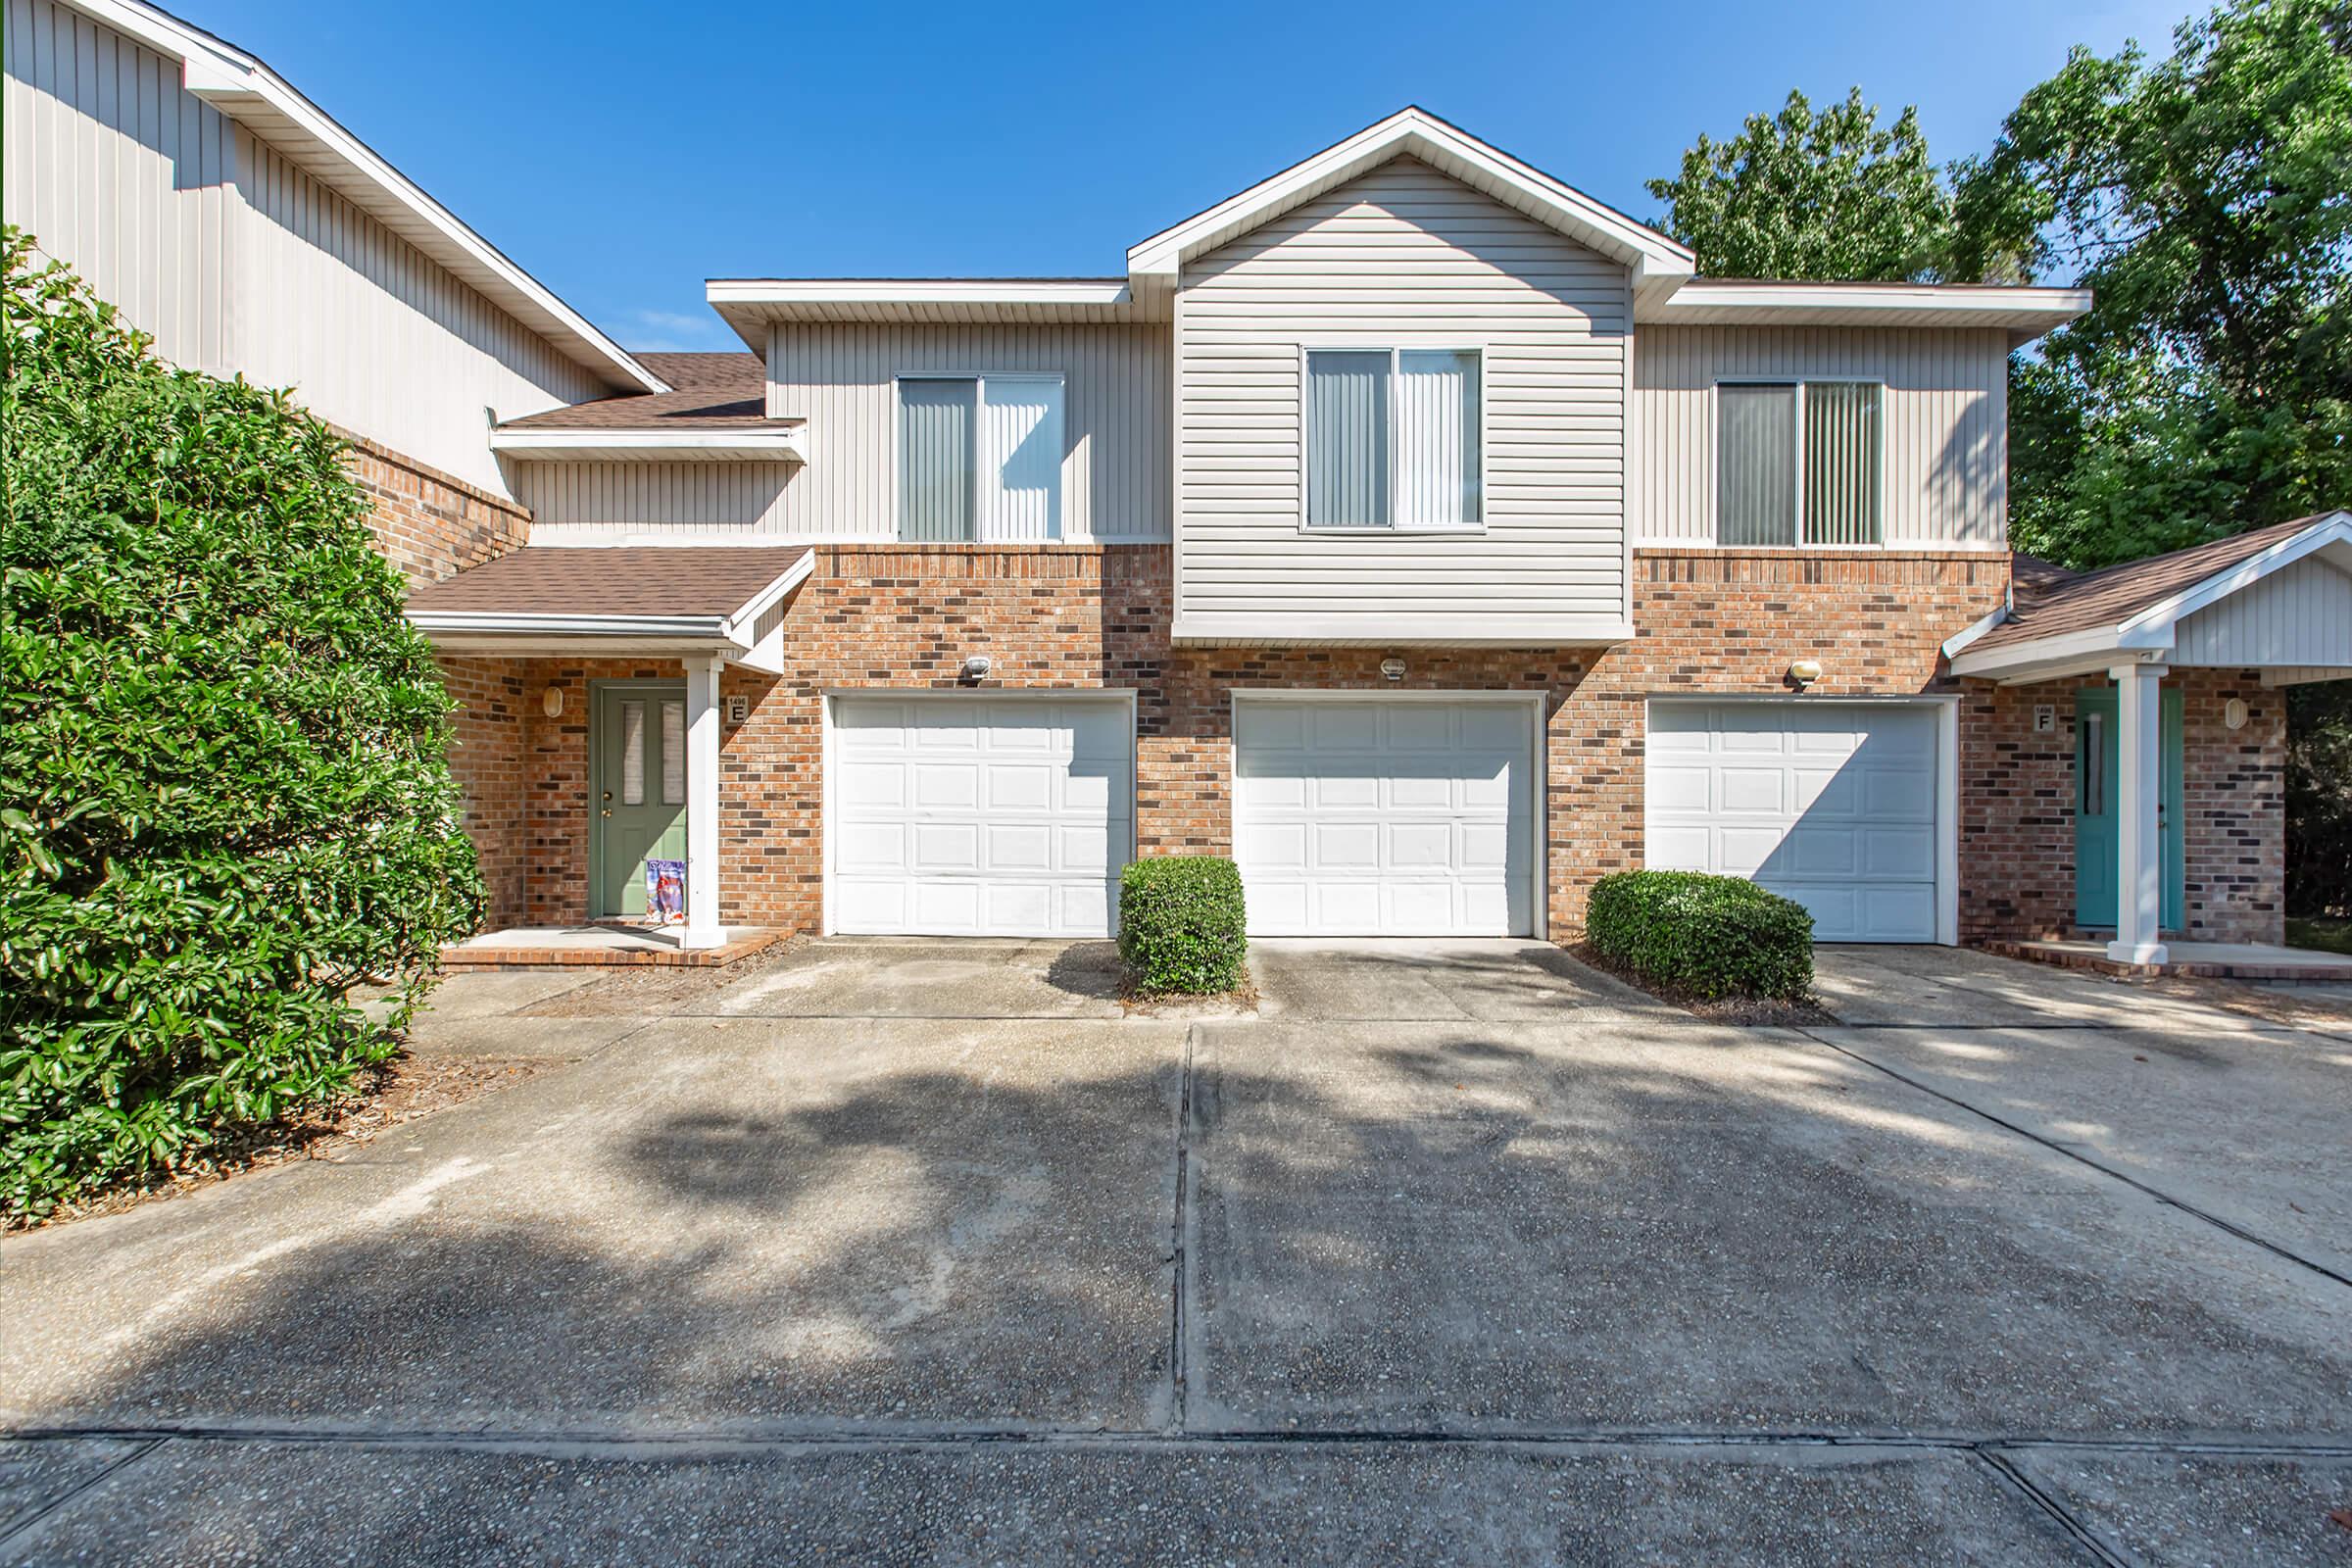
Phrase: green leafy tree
[1818,195]
[224,792]
[2206,199]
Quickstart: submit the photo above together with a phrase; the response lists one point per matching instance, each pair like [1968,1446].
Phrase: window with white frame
[1798,462]
[1393,438]
[979,458]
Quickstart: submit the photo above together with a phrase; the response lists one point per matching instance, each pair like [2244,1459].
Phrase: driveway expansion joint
[2058,1513]
[2075,1154]
[89,1482]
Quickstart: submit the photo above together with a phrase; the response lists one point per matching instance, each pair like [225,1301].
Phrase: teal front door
[2096,826]
[636,789]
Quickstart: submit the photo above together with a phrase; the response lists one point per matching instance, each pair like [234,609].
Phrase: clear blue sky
[623,152]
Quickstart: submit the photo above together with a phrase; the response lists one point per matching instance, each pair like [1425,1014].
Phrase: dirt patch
[650,989]
[1238,1003]
[2322,1007]
[1748,1012]
[385,1097]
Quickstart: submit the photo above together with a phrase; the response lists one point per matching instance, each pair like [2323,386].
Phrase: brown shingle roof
[623,580]
[2049,602]
[713,392]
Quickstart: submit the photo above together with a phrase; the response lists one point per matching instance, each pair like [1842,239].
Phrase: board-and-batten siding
[2300,614]
[235,261]
[1405,257]
[842,379]
[1946,415]
[114,170]
[591,503]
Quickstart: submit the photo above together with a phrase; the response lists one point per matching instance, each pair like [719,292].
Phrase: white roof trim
[734,635]
[2150,633]
[1957,643]
[1414,132]
[245,89]
[704,628]
[916,291]
[1721,299]
[559,445]
[2163,615]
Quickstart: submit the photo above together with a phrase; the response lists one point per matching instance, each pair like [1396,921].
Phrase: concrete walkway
[933,1252]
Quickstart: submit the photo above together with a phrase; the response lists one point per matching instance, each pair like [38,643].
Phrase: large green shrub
[1708,937]
[1181,922]
[223,794]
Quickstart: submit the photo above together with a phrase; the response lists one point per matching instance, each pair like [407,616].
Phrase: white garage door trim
[1946,828]
[1536,884]
[1120,807]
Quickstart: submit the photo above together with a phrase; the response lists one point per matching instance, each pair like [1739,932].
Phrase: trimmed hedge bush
[1710,937]
[1181,922]
[224,792]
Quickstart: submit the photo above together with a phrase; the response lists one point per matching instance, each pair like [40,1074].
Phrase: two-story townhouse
[1413,527]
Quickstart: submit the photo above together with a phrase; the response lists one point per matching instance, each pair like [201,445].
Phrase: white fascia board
[1957,643]
[2094,643]
[1708,300]
[2158,618]
[786,291]
[771,446]
[742,623]
[708,629]
[1446,631]
[1652,258]
[242,87]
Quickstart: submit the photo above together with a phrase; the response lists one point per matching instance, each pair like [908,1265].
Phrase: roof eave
[580,445]
[244,88]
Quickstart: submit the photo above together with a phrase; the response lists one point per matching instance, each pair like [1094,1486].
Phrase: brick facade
[2016,810]
[431,524]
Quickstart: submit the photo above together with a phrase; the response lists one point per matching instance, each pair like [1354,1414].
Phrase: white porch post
[702,802]
[2139,857]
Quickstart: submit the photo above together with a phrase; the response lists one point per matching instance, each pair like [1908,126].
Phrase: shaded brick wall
[2016,810]
[486,756]
[429,525]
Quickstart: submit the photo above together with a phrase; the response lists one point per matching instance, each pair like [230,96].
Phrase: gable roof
[245,89]
[1658,264]
[2046,606]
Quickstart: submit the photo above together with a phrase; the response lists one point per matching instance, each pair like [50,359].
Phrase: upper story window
[1792,450]
[979,459]
[1393,438]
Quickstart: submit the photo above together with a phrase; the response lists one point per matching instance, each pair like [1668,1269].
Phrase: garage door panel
[1396,817]
[988,816]
[1832,805]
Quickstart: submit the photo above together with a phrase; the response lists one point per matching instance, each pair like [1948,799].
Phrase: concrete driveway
[934,1252]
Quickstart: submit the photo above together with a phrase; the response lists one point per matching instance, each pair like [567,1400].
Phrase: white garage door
[1832,805]
[1384,818]
[979,815]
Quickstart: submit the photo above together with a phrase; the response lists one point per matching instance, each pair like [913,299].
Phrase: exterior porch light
[1392,668]
[551,701]
[1804,672]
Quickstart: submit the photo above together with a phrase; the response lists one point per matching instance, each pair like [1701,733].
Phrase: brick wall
[2016,810]
[429,525]
[487,759]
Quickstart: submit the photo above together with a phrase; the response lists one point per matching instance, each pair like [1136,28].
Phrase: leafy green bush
[1710,937]
[224,792]
[1180,924]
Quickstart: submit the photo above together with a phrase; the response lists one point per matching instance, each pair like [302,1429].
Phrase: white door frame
[1946,708]
[1540,793]
[1123,695]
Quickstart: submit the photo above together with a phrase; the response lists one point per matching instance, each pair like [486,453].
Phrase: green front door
[2096,826]
[636,789]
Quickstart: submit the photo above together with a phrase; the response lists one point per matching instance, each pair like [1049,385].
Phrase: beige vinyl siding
[1405,257]
[1945,419]
[116,171]
[239,261]
[2300,614]
[842,379]
[375,336]
[599,502]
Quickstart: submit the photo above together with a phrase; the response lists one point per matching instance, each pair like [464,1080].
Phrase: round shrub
[224,792]
[1708,937]
[1181,923]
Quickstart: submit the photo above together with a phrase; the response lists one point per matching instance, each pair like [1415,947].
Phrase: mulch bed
[1748,1012]
[382,1097]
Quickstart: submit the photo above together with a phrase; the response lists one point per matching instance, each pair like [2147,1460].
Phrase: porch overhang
[674,602]
[2279,601]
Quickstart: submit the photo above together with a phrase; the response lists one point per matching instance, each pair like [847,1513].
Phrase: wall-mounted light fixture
[2235,712]
[551,701]
[1804,672]
[976,668]
[1392,668]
